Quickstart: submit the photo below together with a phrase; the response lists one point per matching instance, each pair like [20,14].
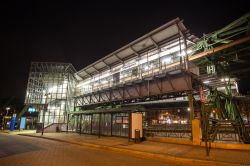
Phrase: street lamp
[7,108]
[45,110]
[3,120]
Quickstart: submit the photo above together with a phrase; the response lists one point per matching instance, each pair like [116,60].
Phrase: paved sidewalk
[187,154]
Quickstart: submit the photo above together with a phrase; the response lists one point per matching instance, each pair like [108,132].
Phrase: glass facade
[52,86]
[150,63]
[109,124]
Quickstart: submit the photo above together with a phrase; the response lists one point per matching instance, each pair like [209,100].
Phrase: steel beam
[147,88]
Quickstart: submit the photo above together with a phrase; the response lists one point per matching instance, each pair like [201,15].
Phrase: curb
[217,145]
[146,155]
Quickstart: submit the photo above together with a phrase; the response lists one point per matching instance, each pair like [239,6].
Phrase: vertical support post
[186,55]
[43,120]
[148,88]
[205,123]
[191,105]
[91,119]
[32,122]
[80,124]
[248,113]
[196,132]
[67,123]
[73,126]
[99,131]
[111,125]
[181,63]
[77,123]
[44,111]
[129,124]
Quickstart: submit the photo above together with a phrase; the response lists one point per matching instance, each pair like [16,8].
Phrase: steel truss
[151,87]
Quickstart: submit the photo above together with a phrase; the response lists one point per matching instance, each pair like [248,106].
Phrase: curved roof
[154,39]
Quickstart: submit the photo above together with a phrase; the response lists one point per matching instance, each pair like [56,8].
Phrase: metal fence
[227,132]
[169,130]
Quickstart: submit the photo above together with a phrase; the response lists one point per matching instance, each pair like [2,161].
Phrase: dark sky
[80,32]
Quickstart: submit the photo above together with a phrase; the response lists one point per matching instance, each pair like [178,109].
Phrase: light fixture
[166,60]
[189,51]
[182,53]
[188,109]
[206,82]
[224,79]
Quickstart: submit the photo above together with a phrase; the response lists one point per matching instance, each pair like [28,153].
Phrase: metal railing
[169,130]
[227,132]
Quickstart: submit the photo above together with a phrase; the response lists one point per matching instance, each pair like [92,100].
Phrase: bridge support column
[196,132]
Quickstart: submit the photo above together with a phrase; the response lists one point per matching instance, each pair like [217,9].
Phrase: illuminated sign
[22,123]
[31,109]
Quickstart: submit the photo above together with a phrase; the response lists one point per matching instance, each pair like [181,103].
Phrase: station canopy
[153,40]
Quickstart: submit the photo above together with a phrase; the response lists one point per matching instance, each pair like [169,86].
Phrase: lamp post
[7,108]
[45,110]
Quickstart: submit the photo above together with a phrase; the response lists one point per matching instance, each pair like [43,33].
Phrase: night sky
[81,32]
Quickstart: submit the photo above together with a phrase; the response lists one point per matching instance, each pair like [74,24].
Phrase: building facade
[50,89]
[157,75]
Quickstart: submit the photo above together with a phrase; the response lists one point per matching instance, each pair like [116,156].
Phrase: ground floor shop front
[109,124]
[173,122]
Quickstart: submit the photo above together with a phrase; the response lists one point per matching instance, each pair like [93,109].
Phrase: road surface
[27,151]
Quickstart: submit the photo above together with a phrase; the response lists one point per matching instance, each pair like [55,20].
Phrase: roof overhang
[166,33]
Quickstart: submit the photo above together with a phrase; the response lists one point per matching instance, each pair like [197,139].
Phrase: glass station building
[151,75]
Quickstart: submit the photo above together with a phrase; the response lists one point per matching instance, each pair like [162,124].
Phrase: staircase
[54,127]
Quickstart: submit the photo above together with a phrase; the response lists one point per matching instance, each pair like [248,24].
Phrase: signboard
[13,121]
[22,123]
[211,69]
[77,109]
[136,124]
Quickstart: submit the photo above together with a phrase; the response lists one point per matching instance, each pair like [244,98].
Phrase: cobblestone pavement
[25,151]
